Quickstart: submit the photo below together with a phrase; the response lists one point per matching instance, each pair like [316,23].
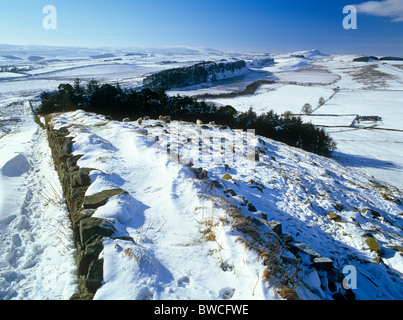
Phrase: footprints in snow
[183,282]
[145,293]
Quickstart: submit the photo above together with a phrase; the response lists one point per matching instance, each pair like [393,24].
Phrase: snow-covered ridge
[184,248]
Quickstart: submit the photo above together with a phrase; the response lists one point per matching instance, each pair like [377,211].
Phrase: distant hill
[11,57]
[103,56]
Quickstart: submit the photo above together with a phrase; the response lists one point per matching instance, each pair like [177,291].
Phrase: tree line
[120,103]
[186,76]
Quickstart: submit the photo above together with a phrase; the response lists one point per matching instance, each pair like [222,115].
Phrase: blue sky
[252,25]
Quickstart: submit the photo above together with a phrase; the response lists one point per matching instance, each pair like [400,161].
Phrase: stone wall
[88,231]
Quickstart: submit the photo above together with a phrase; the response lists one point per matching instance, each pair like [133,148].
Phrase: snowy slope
[167,210]
[298,189]
[365,89]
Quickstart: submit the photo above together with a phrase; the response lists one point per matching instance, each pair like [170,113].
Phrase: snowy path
[36,252]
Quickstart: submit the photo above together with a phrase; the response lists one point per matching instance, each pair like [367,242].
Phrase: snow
[166,210]
[184,247]
[36,253]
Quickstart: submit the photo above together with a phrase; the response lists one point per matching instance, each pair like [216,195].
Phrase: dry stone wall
[88,231]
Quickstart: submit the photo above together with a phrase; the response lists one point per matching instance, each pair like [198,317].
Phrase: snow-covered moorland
[185,246]
[189,241]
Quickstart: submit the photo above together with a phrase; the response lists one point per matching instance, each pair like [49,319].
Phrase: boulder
[372,243]
[334,217]
[251,207]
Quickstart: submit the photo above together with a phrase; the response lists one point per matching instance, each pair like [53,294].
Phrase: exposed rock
[93,280]
[217,184]
[100,199]
[200,173]
[304,251]
[95,226]
[89,254]
[322,263]
[260,214]
[286,238]
[335,217]
[374,214]
[80,177]
[227,176]
[230,192]
[397,248]
[276,226]
[338,207]
[251,207]
[372,244]
[88,232]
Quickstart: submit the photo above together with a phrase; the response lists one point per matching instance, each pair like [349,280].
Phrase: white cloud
[388,8]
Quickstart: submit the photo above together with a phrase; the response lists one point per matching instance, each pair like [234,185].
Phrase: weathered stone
[302,250]
[200,173]
[90,253]
[377,259]
[374,214]
[217,184]
[95,275]
[75,199]
[335,279]
[81,178]
[230,192]
[260,214]
[72,161]
[373,244]
[251,207]
[67,147]
[338,207]
[100,199]
[335,217]
[397,248]
[322,263]
[227,176]
[276,227]
[286,238]
[240,200]
[95,226]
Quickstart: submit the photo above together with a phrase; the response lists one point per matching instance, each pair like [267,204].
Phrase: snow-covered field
[167,210]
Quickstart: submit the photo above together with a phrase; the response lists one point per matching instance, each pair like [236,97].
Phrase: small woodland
[120,103]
